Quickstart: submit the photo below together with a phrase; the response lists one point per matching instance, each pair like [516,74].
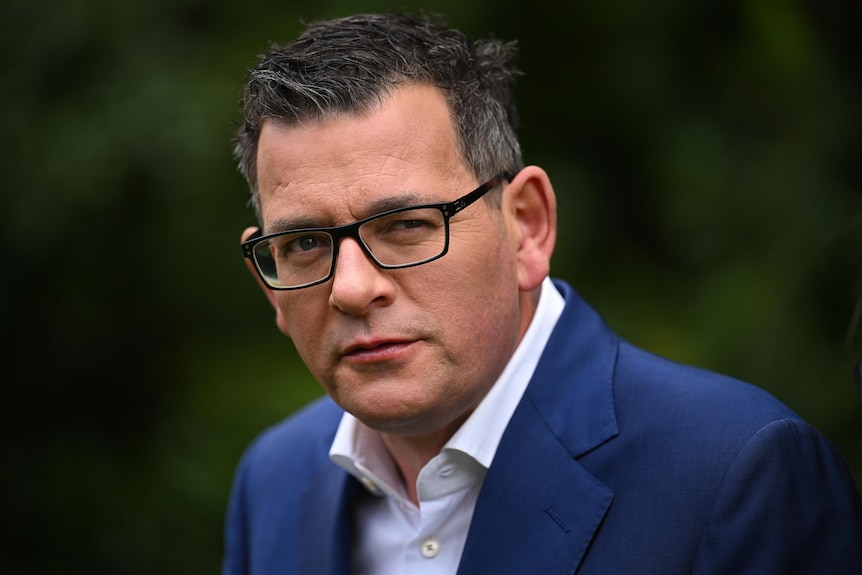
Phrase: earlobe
[530,199]
[270,294]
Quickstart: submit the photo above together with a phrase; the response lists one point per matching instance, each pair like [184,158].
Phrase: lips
[376,349]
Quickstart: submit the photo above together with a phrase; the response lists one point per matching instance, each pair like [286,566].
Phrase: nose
[358,285]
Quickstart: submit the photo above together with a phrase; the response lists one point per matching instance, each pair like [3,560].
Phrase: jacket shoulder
[646,383]
[264,522]
[296,446]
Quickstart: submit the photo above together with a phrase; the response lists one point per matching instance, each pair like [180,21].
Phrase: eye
[303,244]
[409,224]
[404,227]
[409,228]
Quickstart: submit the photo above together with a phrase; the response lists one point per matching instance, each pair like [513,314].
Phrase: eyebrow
[405,200]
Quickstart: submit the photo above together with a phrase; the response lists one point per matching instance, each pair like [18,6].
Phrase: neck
[412,453]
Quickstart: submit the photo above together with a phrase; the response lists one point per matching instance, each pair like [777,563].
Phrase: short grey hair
[350,65]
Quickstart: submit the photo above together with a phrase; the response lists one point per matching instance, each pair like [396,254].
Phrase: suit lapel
[536,522]
[539,509]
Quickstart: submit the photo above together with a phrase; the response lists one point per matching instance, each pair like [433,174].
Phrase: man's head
[348,66]
[407,350]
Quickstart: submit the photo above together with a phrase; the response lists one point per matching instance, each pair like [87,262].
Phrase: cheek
[283,326]
[480,302]
[294,315]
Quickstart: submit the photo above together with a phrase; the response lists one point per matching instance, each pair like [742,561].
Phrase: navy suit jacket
[615,461]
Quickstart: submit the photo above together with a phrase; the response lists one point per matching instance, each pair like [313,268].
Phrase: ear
[270,294]
[530,203]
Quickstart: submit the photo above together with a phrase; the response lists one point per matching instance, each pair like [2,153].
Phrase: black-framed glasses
[399,238]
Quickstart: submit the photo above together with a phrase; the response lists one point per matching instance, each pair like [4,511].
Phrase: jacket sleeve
[787,504]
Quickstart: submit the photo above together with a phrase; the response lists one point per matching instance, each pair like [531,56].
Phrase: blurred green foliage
[705,155]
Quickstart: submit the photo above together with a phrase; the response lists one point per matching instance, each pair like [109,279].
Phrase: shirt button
[430,548]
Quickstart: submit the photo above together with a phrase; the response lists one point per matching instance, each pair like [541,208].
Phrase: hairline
[367,108]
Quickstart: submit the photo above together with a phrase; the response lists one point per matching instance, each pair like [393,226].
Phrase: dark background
[705,155]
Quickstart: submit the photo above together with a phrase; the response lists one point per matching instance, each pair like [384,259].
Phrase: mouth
[377,350]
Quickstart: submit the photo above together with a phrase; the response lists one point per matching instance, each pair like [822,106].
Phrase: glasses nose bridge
[350,231]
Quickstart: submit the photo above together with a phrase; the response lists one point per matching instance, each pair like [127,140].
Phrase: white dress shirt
[392,534]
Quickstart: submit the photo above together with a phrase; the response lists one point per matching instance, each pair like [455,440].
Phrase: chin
[399,421]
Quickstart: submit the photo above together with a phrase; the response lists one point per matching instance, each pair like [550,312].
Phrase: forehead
[336,170]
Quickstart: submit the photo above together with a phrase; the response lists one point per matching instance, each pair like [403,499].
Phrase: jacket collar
[572,387]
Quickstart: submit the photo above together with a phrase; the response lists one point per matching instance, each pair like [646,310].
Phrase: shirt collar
[360,451]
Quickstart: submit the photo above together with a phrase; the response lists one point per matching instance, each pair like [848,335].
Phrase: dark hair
[350,65]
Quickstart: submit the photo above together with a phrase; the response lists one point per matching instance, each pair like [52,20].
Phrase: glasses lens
[294,260]
[406,237]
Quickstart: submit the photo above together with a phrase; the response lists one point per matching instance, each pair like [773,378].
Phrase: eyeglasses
[394,239]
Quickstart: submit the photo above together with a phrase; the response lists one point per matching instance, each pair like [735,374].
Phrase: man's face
[409,351]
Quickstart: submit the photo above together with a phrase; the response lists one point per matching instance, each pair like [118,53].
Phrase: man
[479,417]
